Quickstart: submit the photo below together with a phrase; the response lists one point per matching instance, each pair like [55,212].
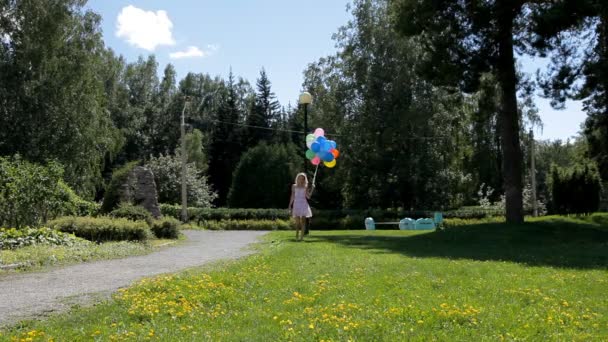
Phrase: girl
[298,204]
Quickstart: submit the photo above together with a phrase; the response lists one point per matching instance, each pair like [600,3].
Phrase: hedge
[201,215]
[166,228]
[101,229]
[132,212]
[248,225]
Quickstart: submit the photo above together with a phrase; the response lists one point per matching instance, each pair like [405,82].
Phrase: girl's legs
[298,225]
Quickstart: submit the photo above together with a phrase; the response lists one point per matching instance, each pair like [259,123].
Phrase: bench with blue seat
[410,224]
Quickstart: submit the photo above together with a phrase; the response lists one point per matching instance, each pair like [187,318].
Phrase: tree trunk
[509,116]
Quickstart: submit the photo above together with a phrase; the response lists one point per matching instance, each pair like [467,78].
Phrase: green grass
[545,280]
[37,257]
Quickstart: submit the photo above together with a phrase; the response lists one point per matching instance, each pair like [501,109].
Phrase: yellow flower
[420,322]
[311,326]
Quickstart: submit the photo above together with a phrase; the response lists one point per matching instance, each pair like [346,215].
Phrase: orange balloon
[335,152]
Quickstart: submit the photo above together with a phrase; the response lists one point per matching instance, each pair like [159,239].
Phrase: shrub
[248,225]
[102,228]
[132,212]
[111,198]
[166,228]
[76,206]
[264,176]
[16,238]
[167,175]
[205,214]
[30,194]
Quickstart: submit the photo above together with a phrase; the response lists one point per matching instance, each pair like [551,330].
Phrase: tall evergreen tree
[226,146]
[264,112]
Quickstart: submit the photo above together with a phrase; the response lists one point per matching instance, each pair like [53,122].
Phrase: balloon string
[314,178]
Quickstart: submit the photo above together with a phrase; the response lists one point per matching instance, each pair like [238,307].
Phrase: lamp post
[305,100]
[184,163]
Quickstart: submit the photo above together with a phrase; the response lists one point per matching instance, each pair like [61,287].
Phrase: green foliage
[36,256]
[214,214]
[132,212]
[248,225]
[31,194]
[76,206]
[111,198]
[576,190]
[52,89]
[102,228]
[263,177]
[194,150]
[167,171]
[166,228]
[17,238]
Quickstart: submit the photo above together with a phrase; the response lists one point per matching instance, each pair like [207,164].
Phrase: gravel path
[29,295]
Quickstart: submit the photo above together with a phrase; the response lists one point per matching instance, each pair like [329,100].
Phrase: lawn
[545,280]
[34,258]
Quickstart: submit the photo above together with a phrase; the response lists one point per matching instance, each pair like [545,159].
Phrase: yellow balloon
[330,164]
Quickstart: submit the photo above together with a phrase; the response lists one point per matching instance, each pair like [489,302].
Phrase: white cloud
[193,51]
[144,29]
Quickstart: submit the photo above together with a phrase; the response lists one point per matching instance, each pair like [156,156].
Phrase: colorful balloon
[310,154]
[333,144]
[316,161]
[330,164]
[335,152]
[315,147]
[319,132]
[310,138]
[327,156]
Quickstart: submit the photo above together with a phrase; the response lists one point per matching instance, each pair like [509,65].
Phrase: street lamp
[305,100]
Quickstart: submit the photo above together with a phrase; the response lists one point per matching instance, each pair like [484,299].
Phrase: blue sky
[210,36]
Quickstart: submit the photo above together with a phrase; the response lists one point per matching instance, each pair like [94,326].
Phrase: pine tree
[264,112]
[226,146]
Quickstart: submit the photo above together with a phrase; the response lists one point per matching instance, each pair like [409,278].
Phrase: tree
[575,35]
[226,145]
[51,95]
[195,150]
[264,112]
[167,175]
[263,177]
[465,39]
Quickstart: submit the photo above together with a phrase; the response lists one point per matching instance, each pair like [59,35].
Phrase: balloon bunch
[321,149]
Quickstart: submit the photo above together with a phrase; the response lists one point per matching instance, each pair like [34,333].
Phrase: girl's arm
[291,199]
[309,192]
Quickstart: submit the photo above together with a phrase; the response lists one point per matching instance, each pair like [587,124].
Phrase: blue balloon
[321,140]
[325,146]
[333,144]
[315,147]
[327,156]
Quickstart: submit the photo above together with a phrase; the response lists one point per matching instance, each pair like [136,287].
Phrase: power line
[301,132]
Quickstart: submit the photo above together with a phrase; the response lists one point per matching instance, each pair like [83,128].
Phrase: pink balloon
[316,160]
[319,132]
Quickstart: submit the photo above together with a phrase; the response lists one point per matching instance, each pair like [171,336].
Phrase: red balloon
[335,152]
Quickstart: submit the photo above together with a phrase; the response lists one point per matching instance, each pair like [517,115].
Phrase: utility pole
[533,174]
[184,165]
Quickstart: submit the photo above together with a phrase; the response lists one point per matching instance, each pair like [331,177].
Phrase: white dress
[300,204]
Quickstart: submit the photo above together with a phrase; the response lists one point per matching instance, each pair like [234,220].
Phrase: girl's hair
[305,179]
